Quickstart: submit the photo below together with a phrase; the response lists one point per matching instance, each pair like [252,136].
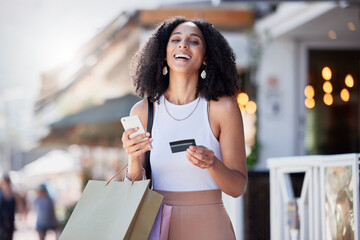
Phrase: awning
[289,17]
[54,162]
[111,111]
[99,125]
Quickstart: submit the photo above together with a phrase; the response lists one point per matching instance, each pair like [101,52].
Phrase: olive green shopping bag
[120,210]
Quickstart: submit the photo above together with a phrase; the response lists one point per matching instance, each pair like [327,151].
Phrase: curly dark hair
[221,74]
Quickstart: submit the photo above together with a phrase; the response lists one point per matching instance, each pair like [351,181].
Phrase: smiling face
[185,50]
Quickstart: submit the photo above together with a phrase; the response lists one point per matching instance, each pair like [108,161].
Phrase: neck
[182,89]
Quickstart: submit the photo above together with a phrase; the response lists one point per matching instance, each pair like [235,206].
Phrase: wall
[276,82]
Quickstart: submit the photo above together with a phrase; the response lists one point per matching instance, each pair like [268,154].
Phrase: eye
[175,40]
[195,42]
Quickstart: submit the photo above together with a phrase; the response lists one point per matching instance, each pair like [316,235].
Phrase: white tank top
[173,171]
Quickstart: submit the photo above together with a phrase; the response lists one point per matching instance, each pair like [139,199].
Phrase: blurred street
[25,229]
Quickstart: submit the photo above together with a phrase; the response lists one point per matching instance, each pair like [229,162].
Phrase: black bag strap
[149,129]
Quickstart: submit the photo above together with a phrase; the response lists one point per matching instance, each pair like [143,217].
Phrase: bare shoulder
[141,108]
[225,105]
[224,114]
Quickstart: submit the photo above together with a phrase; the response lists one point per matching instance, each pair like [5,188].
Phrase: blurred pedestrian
[46,219]
[7,209]
[21,205]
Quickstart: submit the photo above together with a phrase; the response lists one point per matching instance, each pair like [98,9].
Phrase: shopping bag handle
[115,175]
[132,182]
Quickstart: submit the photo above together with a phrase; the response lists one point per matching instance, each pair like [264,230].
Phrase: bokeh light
[332,34]
[349,81]
[309,91]
[242,99]
[328,99]
[327,87]
[351,26]
[250,107]
[326,73]
[309,103]
[345,95]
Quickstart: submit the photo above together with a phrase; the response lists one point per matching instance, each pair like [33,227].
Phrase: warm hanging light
[250,107]
[332,34]
[242,99]
[328,99]
[309,103]
[351,26]
[349,81]
[309,91]
[326,73]
[327,87]
[345,95]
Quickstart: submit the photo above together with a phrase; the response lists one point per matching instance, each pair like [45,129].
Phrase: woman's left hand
[201,156]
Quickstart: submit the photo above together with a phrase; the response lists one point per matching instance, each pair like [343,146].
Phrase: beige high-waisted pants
[198,215]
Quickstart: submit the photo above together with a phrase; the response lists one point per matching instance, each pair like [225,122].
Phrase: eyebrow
[192,34]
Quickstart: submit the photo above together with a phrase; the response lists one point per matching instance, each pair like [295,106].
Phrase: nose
[183,44]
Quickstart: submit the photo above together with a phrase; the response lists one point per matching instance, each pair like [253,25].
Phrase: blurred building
[99,71]
[308,80]
[15,127]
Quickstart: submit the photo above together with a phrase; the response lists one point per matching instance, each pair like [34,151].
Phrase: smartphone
[133,121]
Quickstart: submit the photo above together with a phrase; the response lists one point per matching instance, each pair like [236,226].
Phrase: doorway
[332,98]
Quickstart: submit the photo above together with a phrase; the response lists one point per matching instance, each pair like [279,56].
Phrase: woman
[188,70]
[46,219]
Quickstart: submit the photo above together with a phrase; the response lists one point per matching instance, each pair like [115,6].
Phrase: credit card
[182,145]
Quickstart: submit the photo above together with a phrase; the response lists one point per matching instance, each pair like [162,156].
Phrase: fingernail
[136,128]
[148,134]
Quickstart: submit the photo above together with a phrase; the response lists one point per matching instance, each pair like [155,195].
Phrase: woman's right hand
[133,147]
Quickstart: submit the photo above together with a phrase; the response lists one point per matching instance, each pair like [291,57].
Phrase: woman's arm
[227,125]
[136,151]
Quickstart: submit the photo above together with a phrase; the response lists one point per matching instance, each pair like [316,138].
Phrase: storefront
[303,111]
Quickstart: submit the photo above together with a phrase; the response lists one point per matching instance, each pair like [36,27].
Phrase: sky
[36,35]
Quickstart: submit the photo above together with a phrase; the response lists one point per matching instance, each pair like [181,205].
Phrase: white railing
[328,206]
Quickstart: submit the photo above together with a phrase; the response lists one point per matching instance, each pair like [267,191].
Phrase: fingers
[200,156]
[196,162]
[126,137]
[137,139]
[142,146]
[127,133]
[200,152]
[137,145]
[138,152]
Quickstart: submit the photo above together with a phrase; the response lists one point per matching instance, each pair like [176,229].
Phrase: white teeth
[182,56]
